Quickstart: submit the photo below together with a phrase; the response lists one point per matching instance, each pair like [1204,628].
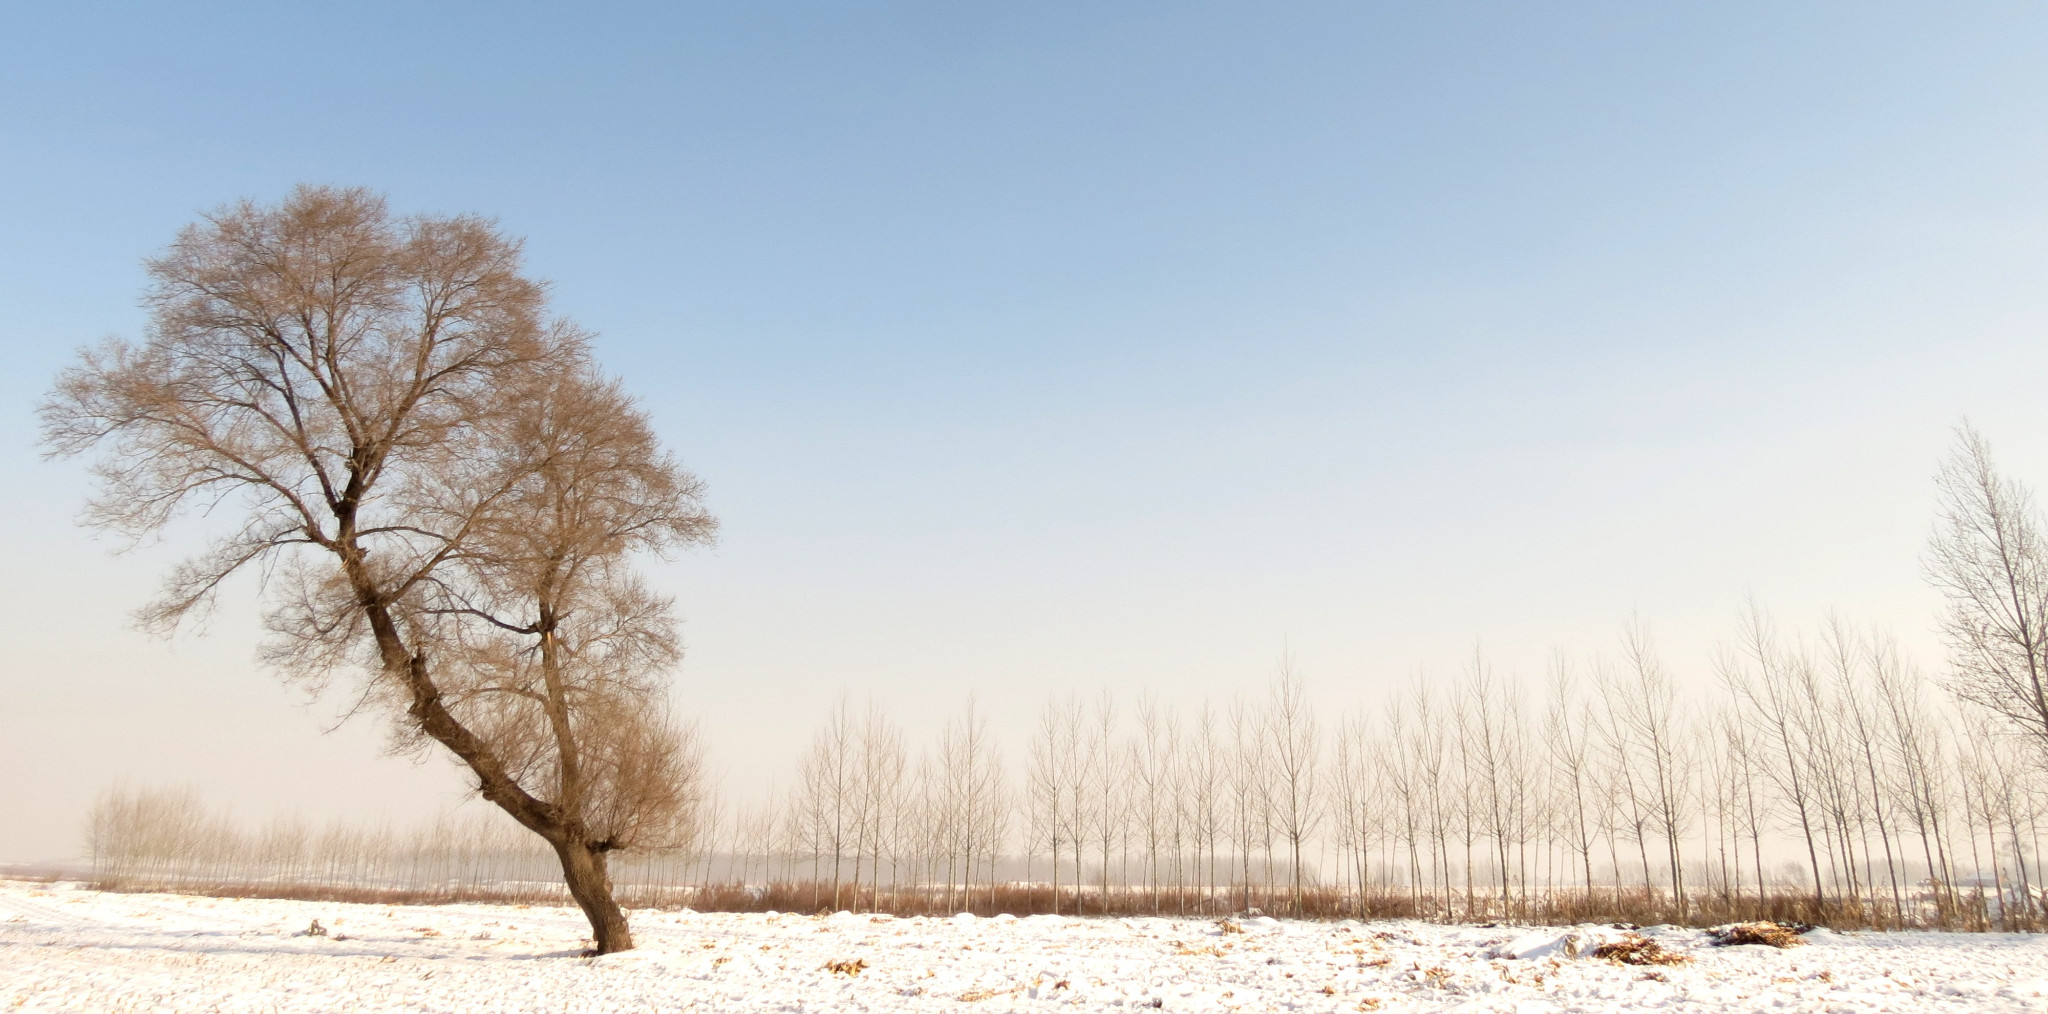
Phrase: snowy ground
[63,948]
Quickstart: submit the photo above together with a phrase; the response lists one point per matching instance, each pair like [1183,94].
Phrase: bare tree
[1915,739]
[1398,766]
[1751,805]
[1295,740]
[1051,785]
[829,795]
[972,799]
[1493,744]
[1650,720]
[1205,797]
[1988,557]
[1357,800]
[1151,758]
[1107,778]
[386,401]
[883,766]
[1566,725]
[1768,698]
[1870,762]
[1436,786]
[1251,797]
[1074,812]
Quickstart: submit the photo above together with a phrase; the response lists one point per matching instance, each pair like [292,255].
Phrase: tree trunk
[583,870]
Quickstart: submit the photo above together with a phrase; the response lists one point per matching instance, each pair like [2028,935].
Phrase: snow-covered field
[63,948]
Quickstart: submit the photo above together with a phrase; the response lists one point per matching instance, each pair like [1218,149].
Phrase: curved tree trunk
[583,870]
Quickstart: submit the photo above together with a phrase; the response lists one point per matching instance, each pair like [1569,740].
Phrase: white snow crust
[65,948]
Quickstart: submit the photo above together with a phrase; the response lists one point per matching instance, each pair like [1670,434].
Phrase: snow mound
[1544,944]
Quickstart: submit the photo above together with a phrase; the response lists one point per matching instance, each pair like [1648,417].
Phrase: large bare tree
[447,490]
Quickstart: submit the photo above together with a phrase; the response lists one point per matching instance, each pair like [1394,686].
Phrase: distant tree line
[1822,780]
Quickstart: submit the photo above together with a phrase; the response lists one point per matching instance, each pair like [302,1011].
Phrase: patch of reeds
[1748,916]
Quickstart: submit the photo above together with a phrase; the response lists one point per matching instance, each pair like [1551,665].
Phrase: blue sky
[1040,348]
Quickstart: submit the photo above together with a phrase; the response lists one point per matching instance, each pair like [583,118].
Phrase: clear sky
[1040,348]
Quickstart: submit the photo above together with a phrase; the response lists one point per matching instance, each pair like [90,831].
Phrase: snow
[65,948]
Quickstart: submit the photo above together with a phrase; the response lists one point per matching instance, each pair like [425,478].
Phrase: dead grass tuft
[847,967]
[1770,934]
[1638,950]
[974,995]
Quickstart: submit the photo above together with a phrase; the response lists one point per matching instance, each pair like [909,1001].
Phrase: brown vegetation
[1635,949]
[1769,934]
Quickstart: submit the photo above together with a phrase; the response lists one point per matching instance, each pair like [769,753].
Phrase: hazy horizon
[1028,353]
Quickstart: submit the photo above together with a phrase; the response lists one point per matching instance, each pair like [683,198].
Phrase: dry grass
[974,995]
[504,894]
[1224,906]
[1770,934]
[1638,950]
